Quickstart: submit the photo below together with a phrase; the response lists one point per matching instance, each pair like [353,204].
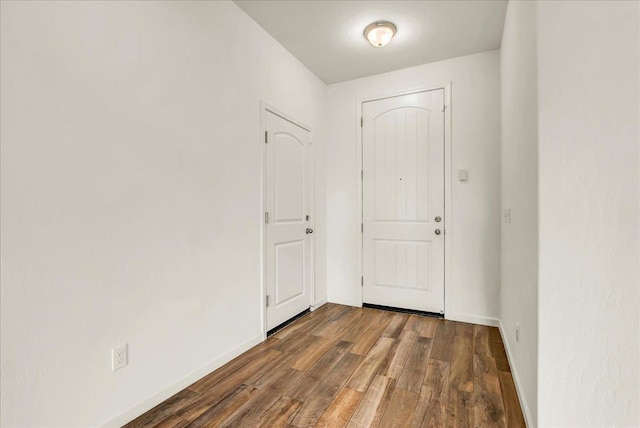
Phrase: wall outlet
[507,215]
[119,357]
[517,332]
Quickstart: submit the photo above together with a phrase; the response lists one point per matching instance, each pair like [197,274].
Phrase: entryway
[403,200]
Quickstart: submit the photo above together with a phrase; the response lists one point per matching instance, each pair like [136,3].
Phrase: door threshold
[403,310]
[287,322]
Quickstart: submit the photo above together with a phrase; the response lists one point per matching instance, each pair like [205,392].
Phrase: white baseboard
[346,302]
[473,319]
[158,398]
[317,304]
[516,378]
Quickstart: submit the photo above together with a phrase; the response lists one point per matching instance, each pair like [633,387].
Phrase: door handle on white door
[438,219]
[309,231]
[437,231]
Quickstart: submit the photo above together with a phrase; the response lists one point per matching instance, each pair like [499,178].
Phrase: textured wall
[589,335]
[519,162]
[131,196]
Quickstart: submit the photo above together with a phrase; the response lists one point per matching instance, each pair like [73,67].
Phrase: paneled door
[287,218]
[403,201]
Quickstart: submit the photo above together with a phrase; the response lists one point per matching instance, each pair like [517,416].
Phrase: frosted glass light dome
[380,33]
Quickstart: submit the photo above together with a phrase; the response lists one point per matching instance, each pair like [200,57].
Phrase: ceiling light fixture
[380,33]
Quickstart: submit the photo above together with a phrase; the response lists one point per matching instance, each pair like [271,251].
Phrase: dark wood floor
[357,367]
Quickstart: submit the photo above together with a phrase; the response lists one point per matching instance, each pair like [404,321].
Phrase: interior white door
[287,217]
[403,201]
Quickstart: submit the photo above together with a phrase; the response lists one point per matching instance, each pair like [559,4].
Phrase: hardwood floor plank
[341,409]
[396,325]
[321,396]
[432,402]
[370,336]
[366,410]
[461,376]
[487,398]
[502,362]
[309,356]
[279,414]
[494,334]
[363,376]
[428,327]
[397,357]
[172,422]
[224,408]
[300,389]
[460,411]
[400,409]
[384,403]
[164,410]
[481,341]
[415,367]
[232,380]
[514,416]
[443,342]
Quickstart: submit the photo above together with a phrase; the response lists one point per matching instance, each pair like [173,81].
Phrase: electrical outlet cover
[119,357]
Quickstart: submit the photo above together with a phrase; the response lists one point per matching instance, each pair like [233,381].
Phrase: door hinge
[266,218]
[444,107]
[266,137]
[362,227]
[361,174]
[361,121]
[362,281]
[267,300]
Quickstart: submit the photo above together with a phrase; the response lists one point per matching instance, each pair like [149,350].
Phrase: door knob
[309,231]
[438,219]
[438,232]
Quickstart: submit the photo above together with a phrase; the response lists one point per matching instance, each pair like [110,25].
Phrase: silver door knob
[309,231]
[438,219]
[438,232]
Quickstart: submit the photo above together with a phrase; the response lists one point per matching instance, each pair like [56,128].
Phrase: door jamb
[264,108]
[448,170]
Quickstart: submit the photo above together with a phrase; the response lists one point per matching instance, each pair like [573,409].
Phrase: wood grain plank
[481,341]
[397,357]
[363,376]
[366,410]
[502,362]
[415,367]
[280,413]
[396,325]
[164,410]
[309,356]
[461,375]
[370,336]
[321,396]
[340,410]
[443,342]
[428,327]
[487,399]
[400,409]
[384,403]
[460,410]
[300,389]
[223,409]
[514,416]
[432,402]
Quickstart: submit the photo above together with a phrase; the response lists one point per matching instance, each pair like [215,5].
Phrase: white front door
[288,227]
[403,201]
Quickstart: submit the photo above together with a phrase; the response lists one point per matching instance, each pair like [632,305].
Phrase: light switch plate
[463,175]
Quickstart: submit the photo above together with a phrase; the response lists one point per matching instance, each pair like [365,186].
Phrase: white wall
[131,197]
[475,226]
[519,161]
[589,140]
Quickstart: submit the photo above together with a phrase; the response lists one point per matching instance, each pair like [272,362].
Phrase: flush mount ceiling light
[380,33]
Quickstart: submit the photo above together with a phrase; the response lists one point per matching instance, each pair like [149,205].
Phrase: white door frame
[264,108]
[447,185]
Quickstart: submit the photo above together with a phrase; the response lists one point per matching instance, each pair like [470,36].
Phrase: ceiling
[327,36]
